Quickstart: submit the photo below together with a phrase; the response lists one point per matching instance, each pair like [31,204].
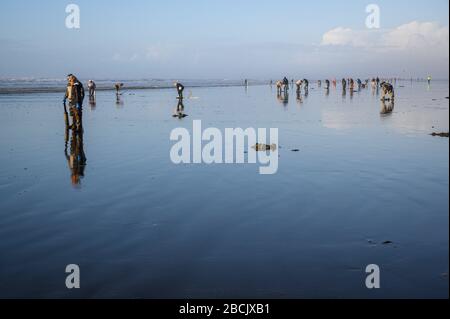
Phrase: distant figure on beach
[299,84]
[92,87]
[75,96]
[344,84]
[334,83]
[319,83]
[286,84]
[378,81]
[352,85]
[429,79]
[180,89]
[279,87]
[374,83]
[359,84]
[118,86]
[327,84]
[282,86]
[306,84]
[246,82]
[387,92]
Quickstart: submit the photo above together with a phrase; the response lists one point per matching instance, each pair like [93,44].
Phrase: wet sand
[354,187]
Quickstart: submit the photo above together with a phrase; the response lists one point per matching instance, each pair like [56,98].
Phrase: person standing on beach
[118,86]
[352,85]
[91,87]
[299,86]
[180,89]
[306,83]
[75,96]
[429,79]
[286,84]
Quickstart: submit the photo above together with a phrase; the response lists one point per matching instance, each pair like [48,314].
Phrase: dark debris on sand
[443,134]
[264,147]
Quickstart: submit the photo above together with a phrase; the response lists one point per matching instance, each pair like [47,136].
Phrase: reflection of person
[180,89]
[76,158]
[299,97]
[75,96]
[283,97]
[179,111]
[387,107]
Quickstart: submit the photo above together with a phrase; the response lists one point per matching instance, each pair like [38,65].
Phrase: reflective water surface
[111,200]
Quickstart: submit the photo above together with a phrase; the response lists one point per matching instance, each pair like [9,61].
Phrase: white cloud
[349,37]
[427,35]
[414,35]
[412,49]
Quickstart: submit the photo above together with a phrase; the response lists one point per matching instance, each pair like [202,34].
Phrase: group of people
[386,85]
[75,94]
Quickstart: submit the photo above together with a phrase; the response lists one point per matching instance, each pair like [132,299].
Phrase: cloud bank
[415,48]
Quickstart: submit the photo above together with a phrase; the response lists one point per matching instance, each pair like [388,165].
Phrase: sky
[224,39]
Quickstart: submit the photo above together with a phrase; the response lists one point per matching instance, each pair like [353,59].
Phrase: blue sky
[219,39]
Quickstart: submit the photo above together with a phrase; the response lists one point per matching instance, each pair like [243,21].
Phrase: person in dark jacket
[75,96]
[180,89]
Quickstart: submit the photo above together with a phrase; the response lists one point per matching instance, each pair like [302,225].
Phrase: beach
[354,187]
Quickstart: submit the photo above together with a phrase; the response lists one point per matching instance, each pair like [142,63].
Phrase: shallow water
[141,227]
